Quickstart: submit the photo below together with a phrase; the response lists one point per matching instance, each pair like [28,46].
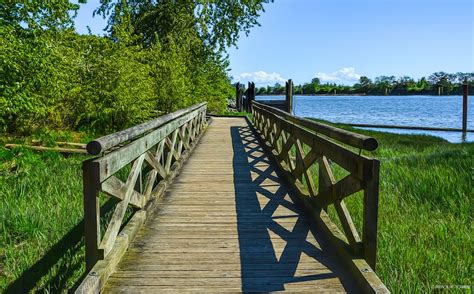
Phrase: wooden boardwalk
[229,224]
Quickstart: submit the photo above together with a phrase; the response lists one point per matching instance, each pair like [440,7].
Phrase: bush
[62,80]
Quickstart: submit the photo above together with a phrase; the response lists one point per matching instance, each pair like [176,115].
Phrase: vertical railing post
[237,96]
[90,184]
[464,107]
[246,100]
[250,96]
[289,96]
[254,93]
[371,204]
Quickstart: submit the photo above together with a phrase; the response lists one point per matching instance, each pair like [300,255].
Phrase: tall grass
[425,236]
[41,229]
[425,215]
[41,201]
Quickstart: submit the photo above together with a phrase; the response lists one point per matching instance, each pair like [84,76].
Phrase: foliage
[63,80]
[216,23]
[439,83]
[37,15]
[158,57]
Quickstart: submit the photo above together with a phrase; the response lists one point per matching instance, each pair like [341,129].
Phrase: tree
[364,85]
[315,81]
[385,84]
[216,23]
[298,89]
[34,15]
[442,81]
[365,81]
[402,85]
[308,88]
[261,91]
[52,77]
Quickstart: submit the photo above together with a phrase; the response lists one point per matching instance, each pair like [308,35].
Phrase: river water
[424,111]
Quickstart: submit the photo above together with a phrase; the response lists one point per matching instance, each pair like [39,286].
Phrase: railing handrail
[343,136]
[297,148]
[155,151]
[107,142]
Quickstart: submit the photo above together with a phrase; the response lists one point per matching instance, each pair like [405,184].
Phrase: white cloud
[260,77]
[346,75]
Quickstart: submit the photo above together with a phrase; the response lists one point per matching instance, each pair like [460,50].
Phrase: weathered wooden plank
[340,190]
[90,183]
[354,163]
[116,188]
[151,160]
[114,161]
[171,153]
[300,155]
[104,143]
[330,281]
[212,235]
[43,148]
[371,201]
[185,234]
[214,273]
[360,270]
[327,179]
[117,217]
[96,278]
[346,137]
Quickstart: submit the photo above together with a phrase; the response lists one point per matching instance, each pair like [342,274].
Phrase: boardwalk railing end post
[91,185]
[237,96]
[371,200]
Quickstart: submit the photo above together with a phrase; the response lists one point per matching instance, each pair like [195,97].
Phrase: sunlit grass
[426,210]
[425,213]
[41,201]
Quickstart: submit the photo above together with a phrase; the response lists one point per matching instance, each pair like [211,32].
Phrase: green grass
[425,214]
[41,202]
[425,235]
[234,113]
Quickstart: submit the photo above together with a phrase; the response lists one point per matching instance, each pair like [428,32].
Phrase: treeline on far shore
[439,83]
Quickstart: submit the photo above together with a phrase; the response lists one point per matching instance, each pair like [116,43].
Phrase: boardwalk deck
[229,224]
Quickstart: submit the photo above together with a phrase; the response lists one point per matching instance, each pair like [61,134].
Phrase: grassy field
[41,246]
[425,236]
[425,225]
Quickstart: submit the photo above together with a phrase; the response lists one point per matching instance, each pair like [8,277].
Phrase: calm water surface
[426,111]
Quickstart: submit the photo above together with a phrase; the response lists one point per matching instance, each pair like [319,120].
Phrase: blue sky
[340,40]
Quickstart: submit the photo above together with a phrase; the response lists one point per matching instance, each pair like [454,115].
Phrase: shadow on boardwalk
[271,250]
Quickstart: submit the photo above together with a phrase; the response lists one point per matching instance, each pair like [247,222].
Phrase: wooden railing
[151,154]
[302,147]
[245,98]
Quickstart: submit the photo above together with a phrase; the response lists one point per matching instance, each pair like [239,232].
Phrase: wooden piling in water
[464,107]
[289,96]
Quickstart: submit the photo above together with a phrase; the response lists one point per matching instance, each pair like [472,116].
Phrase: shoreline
[360,94]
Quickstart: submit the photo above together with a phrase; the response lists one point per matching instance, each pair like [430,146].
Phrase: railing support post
[464,107]
[251,96]
[237,96]
[91,213]
[371,204]
[289,96]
